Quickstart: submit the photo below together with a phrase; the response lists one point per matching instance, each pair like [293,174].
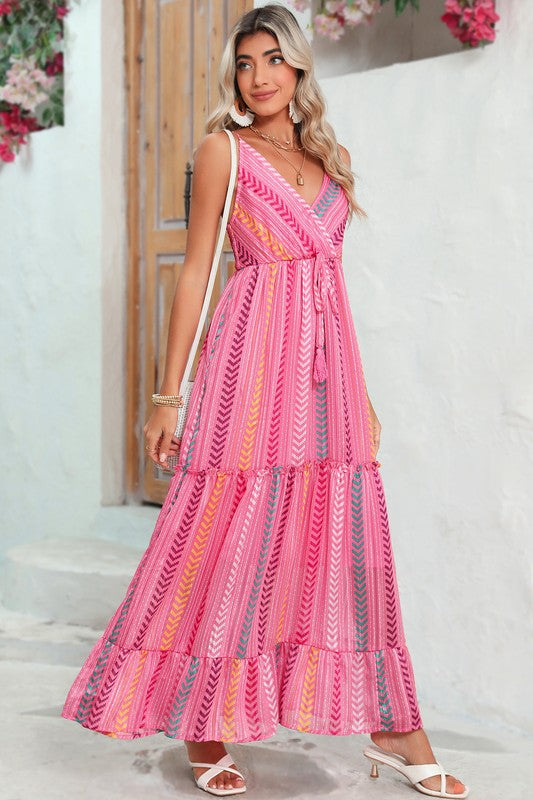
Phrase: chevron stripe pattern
[385,711]
[267,592]
[359,563]
[321,420]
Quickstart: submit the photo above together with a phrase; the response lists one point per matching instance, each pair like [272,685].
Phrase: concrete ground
[46,757]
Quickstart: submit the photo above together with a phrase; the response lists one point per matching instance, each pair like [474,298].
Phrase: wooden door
[173,49]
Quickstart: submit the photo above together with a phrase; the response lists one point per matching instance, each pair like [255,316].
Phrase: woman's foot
[415,747]
[212,752]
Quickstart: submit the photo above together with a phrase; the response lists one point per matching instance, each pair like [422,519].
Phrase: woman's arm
[209,185]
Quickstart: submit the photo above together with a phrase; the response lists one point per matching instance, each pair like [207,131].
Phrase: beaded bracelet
[167,400]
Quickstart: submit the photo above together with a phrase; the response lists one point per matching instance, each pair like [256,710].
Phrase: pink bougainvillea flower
[6,153]
[335,6]
[471,21]
[25,83]
[300,5]
[13,130]
[337,14]
[55,66]
[61,11]
[331,27]
[453,7]
[360,11]
[14,122]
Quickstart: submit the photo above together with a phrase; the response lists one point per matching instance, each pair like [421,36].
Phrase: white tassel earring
[242,118]
[293,114]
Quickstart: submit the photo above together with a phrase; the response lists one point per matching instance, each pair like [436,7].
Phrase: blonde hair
[316,134]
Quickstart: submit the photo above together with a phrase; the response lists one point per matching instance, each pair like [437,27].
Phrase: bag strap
[214,265]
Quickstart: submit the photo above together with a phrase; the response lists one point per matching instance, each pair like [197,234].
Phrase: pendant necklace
[299,176]
[279,148]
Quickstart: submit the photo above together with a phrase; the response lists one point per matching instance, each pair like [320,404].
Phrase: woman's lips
[264,96]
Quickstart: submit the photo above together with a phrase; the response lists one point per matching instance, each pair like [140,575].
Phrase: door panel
[173,49]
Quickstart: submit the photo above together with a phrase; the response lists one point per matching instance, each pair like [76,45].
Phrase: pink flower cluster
[6,8]
[13,128]
[55,66]
[27,86]
[25,83]
[61,11]
[342,13]
[471,21]
[300,5]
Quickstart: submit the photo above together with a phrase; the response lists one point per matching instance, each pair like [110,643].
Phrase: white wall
[62,290]
[440,283]
[113,210]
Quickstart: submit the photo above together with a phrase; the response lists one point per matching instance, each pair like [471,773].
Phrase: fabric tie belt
[323,287]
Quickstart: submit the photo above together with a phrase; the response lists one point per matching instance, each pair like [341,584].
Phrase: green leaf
[400,6]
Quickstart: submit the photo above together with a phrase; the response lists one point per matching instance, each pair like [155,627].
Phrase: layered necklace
[289,145]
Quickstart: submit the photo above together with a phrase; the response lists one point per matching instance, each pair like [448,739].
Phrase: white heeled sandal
[414,772]
[223,764]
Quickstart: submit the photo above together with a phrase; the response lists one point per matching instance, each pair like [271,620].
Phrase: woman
[267,594]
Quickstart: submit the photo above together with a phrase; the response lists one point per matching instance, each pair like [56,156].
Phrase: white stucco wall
[62,287]
[439,283]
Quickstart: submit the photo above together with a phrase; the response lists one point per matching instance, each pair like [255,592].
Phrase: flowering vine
[31,70]
[470,21]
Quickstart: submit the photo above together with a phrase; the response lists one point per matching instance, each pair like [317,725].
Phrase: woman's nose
[259,77]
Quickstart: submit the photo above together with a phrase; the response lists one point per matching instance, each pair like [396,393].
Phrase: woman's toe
[453,785]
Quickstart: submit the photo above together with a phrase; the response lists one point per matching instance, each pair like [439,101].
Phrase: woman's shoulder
[212,162]
[213,146]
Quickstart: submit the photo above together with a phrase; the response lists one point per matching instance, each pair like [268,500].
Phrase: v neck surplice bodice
[272,223]
[265,200]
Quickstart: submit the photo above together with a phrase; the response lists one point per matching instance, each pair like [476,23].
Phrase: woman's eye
[243,64]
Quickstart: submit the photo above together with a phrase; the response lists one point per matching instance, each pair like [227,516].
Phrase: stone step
[43,641]
[75,581]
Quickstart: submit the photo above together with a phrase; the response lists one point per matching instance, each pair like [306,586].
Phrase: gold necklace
[274,140]
[299,176]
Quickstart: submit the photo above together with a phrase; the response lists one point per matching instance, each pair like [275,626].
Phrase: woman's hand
[160,441]
[375,427]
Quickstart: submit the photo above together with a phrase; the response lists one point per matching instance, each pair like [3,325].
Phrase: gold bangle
[167,399]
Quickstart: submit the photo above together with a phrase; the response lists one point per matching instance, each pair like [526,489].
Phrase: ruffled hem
[128,694]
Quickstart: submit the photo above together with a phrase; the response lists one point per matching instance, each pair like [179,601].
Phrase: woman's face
[265,80]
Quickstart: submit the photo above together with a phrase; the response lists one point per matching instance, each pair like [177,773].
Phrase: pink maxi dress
[267,593]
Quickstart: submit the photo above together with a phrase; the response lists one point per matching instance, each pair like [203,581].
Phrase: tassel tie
[323,287]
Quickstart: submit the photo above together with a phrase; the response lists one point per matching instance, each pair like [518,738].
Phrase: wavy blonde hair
[316,134]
